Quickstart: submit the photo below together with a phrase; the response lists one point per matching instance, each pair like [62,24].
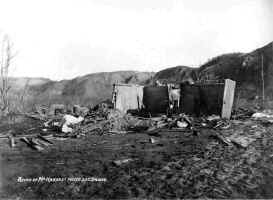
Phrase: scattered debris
[32,144]
[56,109]
[69,120]
[223,124]
[36,116]
[262,115]
[213,117]
[182,124]
[44,139]
[152,140]
[12,142]
[245,138]
[242,113]
[104,119]
[124,161]
[223,139]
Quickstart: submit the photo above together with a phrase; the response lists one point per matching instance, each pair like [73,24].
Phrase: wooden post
[262,74]
[228,98]
[12,142]
[114,95]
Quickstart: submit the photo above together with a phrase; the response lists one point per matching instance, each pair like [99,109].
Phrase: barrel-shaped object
[201,99]
[156,99]
[211,98]
[190,99]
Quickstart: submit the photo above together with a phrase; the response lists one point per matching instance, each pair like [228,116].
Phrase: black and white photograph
[136,99]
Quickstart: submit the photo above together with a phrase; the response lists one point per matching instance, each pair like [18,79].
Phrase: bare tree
[6,58]
[18,100]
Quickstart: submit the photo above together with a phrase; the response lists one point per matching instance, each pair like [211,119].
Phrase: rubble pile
[182,156]
[201,167]
[105,120]
[242,113]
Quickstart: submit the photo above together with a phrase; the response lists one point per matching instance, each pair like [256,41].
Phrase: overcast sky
[66,38]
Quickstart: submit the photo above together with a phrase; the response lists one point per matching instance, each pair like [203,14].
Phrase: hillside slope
[85,90]
[245,68]
[177,74]
[249,70]
[18,83]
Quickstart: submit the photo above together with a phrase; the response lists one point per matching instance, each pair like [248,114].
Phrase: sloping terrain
[245,68]
[176,74]
[250,71]
[17,83]
[85,90]
[221,67]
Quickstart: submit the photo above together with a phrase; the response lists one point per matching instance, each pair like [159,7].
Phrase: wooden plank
[228,98]
[127,97]
[44,139]
[31,144]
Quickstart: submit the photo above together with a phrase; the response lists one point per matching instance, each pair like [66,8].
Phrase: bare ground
[177,165]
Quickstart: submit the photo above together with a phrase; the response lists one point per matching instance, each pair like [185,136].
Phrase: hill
[245,68]
[177,74]
[85,90]
[250,70]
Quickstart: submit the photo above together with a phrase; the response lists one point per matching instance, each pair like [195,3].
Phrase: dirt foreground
[173,164]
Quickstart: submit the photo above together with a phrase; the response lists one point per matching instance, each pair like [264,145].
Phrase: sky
[62,39]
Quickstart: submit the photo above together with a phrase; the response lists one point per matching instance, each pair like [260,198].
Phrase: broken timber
[228,98]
